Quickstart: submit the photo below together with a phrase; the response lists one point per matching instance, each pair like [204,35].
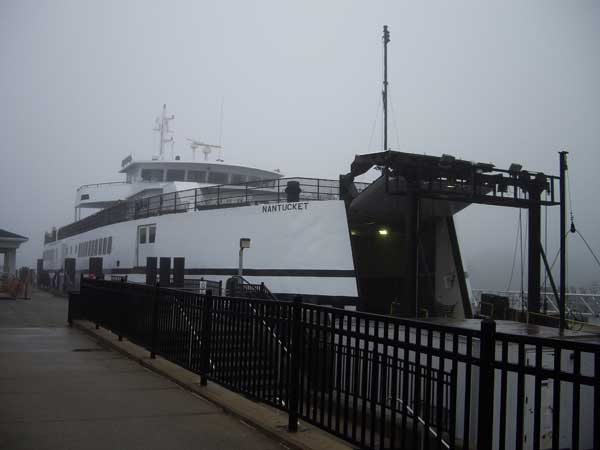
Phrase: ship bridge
[145,179]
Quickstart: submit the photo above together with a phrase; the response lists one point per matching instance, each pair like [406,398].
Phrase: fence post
[95,306]
[121,309]
[295,355]
[206,335]
[69,310]
[83,303]
[485,410]
[155,321]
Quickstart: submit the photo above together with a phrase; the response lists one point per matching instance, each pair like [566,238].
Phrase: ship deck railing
[584,302]
[211,197]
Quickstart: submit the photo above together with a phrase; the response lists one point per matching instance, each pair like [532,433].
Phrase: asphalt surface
[59,389]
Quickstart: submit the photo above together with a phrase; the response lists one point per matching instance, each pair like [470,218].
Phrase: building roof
[8,235]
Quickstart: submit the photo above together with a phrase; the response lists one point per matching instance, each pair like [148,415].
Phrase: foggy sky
[81,83]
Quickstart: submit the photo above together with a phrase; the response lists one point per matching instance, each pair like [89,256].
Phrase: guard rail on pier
[379,382]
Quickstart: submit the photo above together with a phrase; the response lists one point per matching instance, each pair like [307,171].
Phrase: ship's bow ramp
[390,236]
[404,243]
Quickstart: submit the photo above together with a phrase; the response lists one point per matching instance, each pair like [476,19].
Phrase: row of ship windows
[197,176]
[95,247]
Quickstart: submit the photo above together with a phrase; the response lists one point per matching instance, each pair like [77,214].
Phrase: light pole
[244,243]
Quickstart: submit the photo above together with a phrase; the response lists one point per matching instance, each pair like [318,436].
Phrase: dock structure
[9,243]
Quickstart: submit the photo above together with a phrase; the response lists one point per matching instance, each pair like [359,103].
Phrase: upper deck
[209,197]
[145,178]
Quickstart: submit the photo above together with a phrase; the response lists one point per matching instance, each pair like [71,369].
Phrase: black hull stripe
[323,273]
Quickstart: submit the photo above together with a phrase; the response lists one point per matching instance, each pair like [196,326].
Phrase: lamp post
[244,243]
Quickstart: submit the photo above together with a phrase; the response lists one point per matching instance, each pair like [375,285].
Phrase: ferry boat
[390,245]
[305,237]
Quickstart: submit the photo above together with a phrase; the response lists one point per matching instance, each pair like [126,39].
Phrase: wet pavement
[59,389]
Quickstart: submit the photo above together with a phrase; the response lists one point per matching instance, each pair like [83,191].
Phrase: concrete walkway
[59,389]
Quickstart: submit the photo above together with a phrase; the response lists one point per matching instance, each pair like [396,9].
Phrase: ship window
[95,248]
[176,175]
[85,196]
[109,249]
[104,244]
[199,176]
[143,235]
[152,234]
[268,184]
[152,174]
[84,251]
[237,178]
[217,177]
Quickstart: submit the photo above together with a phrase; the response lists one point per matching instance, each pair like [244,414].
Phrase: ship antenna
[162,126]
[206,148]
[220,155]
[386,39]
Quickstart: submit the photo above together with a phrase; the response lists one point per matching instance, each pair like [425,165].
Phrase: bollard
[206,335]
[295,355]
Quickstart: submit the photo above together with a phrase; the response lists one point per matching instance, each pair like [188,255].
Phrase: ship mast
[386,39]
[162,126]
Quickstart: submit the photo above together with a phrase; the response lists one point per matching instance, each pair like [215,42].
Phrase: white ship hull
[297,248]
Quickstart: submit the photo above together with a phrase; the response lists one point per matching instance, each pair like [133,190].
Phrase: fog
[81,83]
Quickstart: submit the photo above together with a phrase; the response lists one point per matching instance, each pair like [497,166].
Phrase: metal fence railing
[379,382]
[221,196]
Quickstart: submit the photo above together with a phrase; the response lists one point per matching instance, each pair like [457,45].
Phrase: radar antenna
[162,126]
[206,148]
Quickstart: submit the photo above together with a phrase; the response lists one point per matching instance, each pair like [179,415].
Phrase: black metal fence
[221,196]
[378,382]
